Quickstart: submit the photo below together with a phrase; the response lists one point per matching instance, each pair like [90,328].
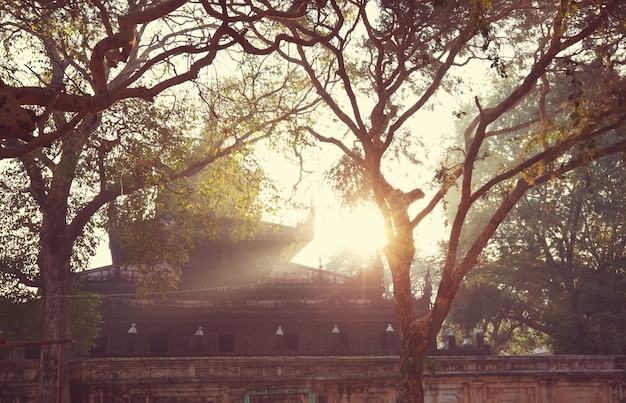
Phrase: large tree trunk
[413,338]
[56,241]
[411,369]
[54,263]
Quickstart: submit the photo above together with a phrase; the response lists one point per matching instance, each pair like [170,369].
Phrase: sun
[360,230]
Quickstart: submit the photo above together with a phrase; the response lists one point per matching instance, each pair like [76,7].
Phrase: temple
[246,298]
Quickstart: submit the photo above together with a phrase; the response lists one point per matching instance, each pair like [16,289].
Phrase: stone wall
[544,379]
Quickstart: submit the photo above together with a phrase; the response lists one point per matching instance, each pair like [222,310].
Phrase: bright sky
[362,231]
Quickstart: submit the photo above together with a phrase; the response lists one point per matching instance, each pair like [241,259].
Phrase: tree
[69,185]
[221,202]
[22,320]
[483,304]
[559,262]
[88,150]
[398,59]
[162,43]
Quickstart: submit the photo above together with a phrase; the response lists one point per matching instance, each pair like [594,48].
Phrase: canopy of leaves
[157,229]
[153,45]
[557,266]
[349,181]
[140,147]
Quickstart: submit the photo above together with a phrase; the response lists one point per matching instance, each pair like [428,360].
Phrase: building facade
[234,296]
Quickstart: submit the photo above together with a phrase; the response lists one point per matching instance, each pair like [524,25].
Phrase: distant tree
[400,59]
[481,304]
[349,261]
[557,266]
[21,315]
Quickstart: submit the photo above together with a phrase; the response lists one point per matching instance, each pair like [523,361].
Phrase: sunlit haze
[360,230]
[336,228]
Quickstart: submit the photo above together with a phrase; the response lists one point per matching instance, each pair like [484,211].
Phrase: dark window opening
[388,340]
[291,341]
[159,343]
[32,352]
[343,339]
[339,342]
[226,343]
[101,345]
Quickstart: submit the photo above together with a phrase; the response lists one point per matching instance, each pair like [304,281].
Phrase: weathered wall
[545,379]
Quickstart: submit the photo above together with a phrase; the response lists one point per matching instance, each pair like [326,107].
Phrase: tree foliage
[221,202]
[21,316]
[157,45]
[557,266]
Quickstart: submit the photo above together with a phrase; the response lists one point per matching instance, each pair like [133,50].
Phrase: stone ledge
[297,366]
[340,379]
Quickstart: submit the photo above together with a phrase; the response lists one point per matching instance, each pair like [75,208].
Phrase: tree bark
[56,242]
[54,262]
[413,334]
[411,370]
